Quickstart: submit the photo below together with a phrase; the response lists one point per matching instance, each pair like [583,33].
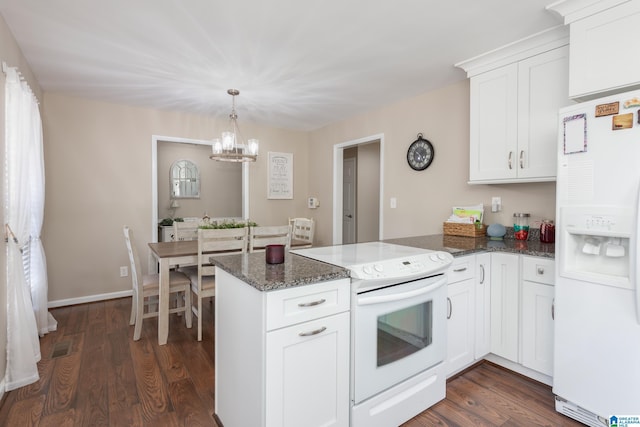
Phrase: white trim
[338,155]
[89,298]
[535,44]
[574,10]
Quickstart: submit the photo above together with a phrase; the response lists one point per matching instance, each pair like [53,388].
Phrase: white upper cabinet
[603,54]
[515,94]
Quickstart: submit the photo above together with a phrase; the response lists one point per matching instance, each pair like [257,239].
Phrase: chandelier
[231,146]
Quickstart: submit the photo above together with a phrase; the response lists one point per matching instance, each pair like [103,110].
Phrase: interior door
[349,186]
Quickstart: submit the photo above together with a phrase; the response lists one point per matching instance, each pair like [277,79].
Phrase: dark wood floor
[107,379]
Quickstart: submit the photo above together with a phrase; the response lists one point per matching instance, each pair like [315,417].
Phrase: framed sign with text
[280,180]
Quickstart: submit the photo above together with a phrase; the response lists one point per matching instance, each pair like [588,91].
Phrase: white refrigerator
[597,299]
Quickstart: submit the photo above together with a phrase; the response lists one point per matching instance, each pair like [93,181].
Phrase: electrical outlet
[124,271]
[496,204]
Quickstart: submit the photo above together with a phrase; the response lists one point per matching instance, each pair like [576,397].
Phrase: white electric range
[398,328]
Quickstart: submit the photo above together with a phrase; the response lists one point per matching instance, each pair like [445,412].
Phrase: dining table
[172,253]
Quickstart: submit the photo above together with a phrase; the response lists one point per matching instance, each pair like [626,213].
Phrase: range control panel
[424,264]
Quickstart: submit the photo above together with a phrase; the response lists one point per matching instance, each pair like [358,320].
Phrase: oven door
[398,332]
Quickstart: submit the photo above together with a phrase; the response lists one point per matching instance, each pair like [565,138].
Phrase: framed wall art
[280,179]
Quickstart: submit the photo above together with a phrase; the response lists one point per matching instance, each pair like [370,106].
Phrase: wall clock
[420,154]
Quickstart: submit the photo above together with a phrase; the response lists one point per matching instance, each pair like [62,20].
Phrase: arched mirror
[184,180]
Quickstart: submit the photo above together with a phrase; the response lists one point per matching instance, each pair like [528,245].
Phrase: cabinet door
[307,374]
[483,306]
[505,299]
[596,64]
[543,88]
[537,327]
[460,325]
[493,124]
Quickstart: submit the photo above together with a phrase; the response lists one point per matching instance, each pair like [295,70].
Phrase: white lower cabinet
[483,305]
[522,313]
[537,314]
[505,302]
[460,314]
[307,367]
[282,356]
[468,311]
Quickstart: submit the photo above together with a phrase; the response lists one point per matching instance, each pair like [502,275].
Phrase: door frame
[338,156]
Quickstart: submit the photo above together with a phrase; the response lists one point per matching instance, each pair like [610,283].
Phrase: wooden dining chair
[187,230]
[302,230]
[147,286]
[212,242]
[261,236]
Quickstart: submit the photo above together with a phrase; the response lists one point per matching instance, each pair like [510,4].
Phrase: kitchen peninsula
[282,342]
[283,330]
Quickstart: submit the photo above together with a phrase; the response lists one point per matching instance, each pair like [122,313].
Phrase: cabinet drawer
[290,306]
[462,268]
[540,270]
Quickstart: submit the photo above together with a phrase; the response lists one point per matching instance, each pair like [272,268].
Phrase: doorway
[358,190]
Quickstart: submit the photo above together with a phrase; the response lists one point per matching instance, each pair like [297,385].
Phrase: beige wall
[12,56]
[98,178]
[424,199]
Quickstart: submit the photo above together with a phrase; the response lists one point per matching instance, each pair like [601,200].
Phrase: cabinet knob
[540,271]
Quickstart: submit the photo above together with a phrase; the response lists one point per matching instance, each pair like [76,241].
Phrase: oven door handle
[379,299]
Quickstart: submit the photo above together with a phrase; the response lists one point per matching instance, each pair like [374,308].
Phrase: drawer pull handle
[459,270]
[553,309]
[521,159]
[315,332]
[450,308]
[510,155]
[540,270]
[312,303]
[482,269]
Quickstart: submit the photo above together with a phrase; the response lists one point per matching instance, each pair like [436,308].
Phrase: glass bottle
[521,226]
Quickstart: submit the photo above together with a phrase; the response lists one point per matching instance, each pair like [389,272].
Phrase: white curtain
[27,313]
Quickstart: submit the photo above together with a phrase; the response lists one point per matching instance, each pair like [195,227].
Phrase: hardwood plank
[59,419]
[92,395]
[473,398]
[26,412]
[121,381]
[64,378]
[152,389]
[117,314]
[189,407]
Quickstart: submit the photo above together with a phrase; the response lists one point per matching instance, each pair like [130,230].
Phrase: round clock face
[420,154]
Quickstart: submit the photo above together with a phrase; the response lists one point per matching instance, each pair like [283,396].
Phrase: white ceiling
[298,64]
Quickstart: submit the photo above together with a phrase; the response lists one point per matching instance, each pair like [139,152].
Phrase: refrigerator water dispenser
[596,243]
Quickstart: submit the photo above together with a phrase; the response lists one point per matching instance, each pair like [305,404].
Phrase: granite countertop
[295,271]
[298,270]
[459,246]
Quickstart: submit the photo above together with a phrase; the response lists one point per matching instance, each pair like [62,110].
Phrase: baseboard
[89,298]
[518,368]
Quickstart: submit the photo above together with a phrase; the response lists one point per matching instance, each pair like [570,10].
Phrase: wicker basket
[466,230]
